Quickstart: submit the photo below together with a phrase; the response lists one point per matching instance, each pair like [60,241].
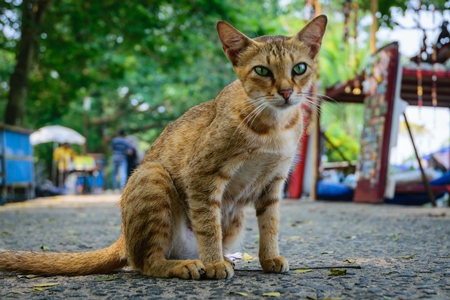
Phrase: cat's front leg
[268,214]
[206,223]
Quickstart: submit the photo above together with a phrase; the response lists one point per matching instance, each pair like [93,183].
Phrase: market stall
[388,85]
[16,164]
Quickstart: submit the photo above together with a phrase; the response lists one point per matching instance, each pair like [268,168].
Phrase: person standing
[120,149]
[63,156]
[134,156]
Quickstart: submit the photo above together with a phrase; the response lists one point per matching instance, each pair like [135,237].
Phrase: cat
[182,208]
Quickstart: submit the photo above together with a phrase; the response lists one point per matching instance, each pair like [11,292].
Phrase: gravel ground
[403,252]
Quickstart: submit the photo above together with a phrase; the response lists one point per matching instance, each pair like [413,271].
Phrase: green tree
[140,63]
[32,15]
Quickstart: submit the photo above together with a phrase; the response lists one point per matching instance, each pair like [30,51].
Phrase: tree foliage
[140,63]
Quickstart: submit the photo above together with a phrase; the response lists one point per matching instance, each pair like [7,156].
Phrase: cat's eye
[262,71]
[299,69]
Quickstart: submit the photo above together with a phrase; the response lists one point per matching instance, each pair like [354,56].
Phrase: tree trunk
[32,15]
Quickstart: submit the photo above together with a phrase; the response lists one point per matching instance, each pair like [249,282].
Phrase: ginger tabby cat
[183,207]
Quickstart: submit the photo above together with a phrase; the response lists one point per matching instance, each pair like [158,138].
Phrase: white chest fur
[271,158]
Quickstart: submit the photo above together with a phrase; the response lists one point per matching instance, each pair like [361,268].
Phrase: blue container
[16,164]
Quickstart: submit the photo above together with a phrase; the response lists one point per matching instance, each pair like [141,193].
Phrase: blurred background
[100,66]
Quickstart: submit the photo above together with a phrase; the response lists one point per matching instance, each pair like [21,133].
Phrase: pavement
[380,252]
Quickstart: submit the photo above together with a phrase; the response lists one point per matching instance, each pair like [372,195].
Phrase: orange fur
[183,207]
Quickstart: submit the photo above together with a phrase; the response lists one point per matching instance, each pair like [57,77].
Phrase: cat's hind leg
[147,211]
[232,232]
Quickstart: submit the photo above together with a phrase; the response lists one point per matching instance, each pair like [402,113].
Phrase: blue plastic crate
[19,172]
[17,144]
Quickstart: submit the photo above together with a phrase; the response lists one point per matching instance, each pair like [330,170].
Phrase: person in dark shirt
[134,156]
[120,149]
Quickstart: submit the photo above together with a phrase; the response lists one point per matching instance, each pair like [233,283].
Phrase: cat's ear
[233,41]
[312,33]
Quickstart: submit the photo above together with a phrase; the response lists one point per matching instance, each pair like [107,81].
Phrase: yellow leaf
[272,294]
[247,256]
[244,294]
[350,261]
[327,252]
[41,289]
[337,272]
[106,278]
[46,284]
[302,271]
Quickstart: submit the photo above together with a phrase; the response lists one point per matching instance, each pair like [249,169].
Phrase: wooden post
[424,177]
[315,121]
[317,8]
[373,26]
[315,140]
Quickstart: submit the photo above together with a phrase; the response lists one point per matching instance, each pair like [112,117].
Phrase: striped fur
[182,209]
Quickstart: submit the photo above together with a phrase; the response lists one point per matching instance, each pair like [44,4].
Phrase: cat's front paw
[233,265]
[188,269]
[277,264]
[220,270]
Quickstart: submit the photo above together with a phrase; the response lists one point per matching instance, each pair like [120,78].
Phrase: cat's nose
[285,93]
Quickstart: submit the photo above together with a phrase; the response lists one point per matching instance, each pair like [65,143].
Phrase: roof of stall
[342,92]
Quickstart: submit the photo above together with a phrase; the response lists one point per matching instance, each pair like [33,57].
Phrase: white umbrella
[56,133]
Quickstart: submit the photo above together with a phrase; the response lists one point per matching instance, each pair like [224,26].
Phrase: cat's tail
[78,263]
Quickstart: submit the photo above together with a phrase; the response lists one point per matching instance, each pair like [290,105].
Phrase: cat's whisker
[258,111]
[251,105]
[253,114]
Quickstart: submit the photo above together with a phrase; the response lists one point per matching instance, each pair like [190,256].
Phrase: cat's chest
[255,171]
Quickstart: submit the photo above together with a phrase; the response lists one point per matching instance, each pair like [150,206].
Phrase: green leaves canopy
[140,63]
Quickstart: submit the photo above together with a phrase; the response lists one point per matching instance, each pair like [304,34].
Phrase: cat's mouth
[284,104]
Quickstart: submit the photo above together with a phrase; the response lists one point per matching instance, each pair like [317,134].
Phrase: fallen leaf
[272,294]
[408,257]
[437,215]
[244,294]
[106,278]
[4,233]
[350,261]
[396,239]
[337,272]
[327,252]
[46,284]
[302,271]
[45,248]
[247,256]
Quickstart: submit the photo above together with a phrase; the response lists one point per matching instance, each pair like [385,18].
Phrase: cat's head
[276,70]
